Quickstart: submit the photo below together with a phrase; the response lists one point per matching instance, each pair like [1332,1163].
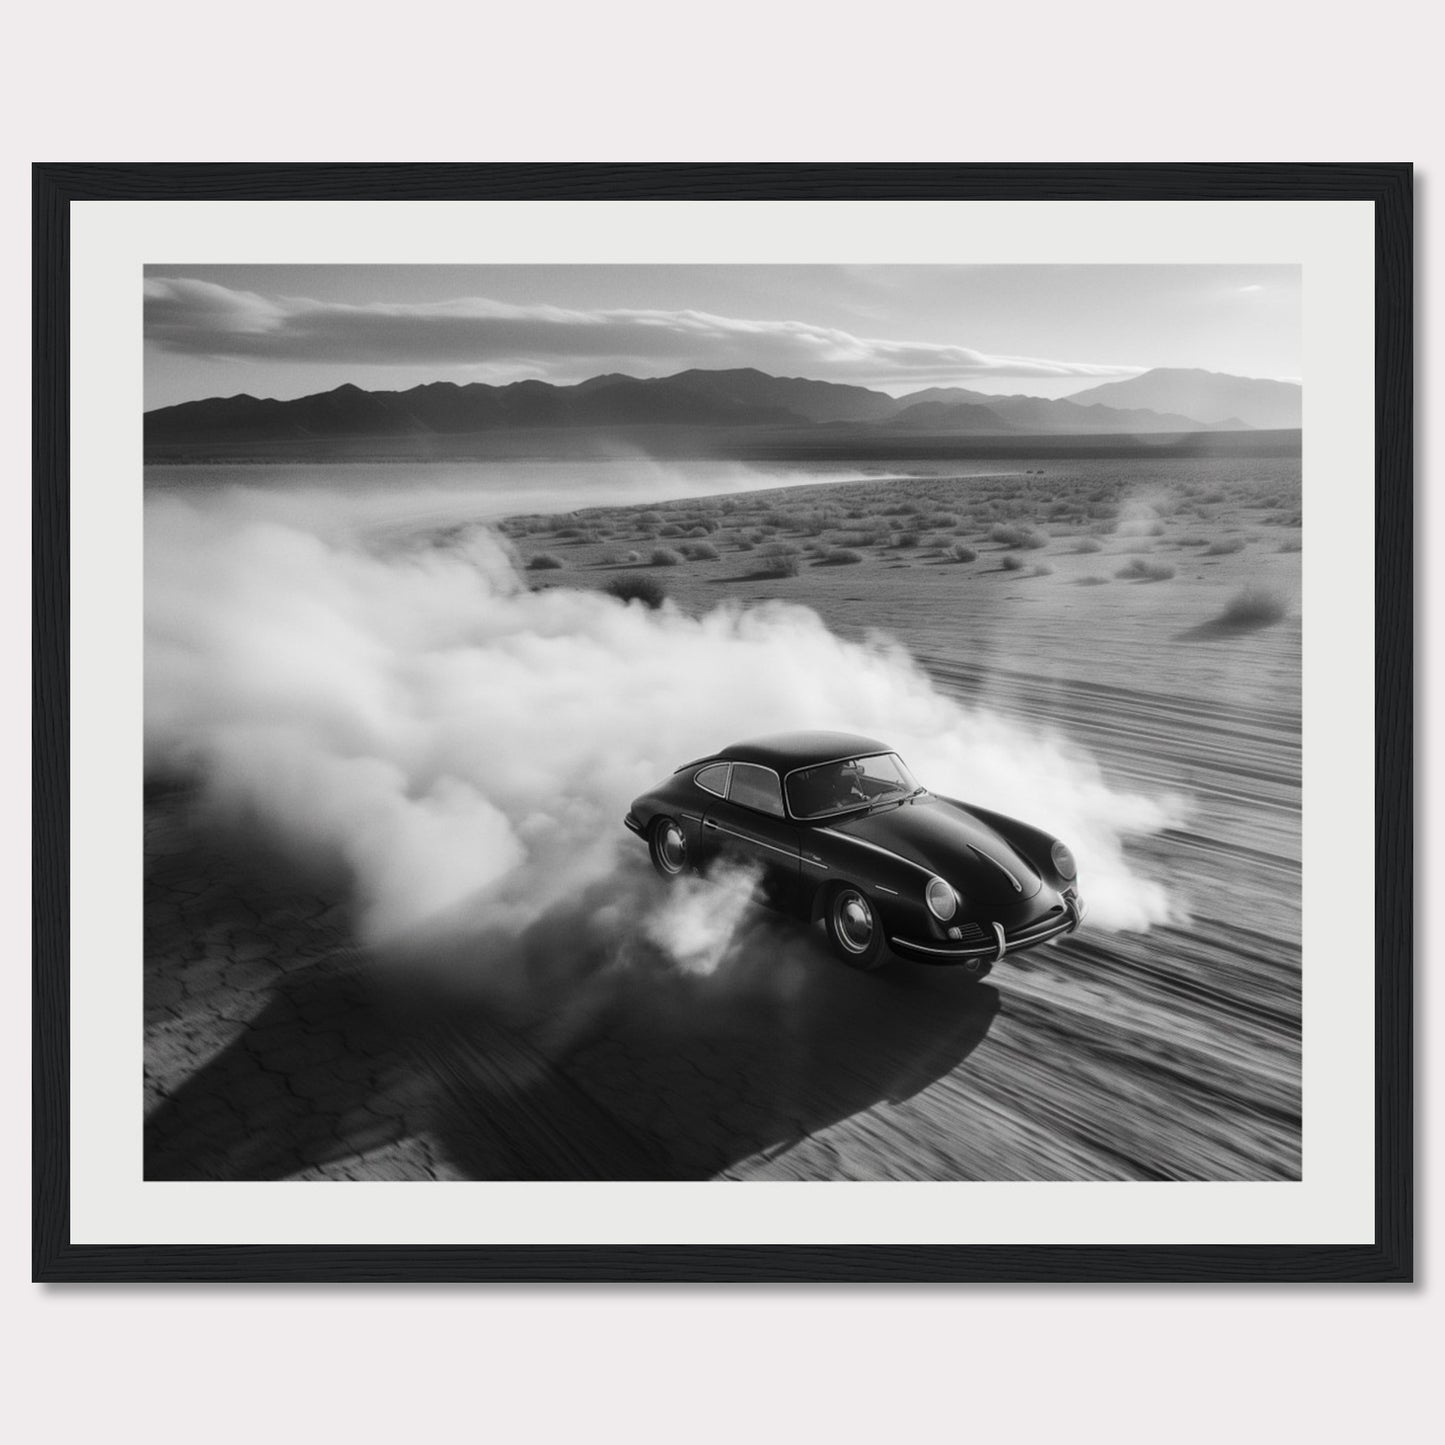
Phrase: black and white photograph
[721,723]
[748,723]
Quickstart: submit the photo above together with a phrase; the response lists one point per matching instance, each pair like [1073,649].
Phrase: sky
[287,331]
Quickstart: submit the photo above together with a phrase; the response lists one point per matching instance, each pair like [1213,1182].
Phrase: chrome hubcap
[853,921]
[672,848]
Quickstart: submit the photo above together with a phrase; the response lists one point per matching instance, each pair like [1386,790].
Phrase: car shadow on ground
[649,1071]
[579,1050]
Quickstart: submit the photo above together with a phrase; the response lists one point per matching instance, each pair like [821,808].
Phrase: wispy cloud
[202,319]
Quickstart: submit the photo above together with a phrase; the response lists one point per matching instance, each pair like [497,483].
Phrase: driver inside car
[848,785]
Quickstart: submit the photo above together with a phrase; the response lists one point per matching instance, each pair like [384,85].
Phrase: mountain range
[1208,396]
[1165,400]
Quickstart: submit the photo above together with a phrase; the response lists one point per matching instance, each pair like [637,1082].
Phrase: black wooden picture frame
[1388,1258]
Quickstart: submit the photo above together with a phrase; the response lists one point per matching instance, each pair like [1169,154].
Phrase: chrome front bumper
[1002,942]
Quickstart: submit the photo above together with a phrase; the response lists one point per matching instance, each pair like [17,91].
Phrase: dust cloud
[461,749]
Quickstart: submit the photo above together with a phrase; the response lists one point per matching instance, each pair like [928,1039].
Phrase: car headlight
[1063,860]
[941,899]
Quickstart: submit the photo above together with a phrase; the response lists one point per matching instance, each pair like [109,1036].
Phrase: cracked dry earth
[266,1056]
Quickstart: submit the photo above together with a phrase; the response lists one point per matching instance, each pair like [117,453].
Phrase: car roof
[785,751]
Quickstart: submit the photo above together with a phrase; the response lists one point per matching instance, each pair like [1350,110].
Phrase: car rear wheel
[667,844]
[854,928]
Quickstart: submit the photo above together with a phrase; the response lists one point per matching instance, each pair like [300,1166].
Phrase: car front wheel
[854,928]
[667,844]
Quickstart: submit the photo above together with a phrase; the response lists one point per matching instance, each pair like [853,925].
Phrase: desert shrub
[699,531]
[647,590]
[840,557]
[1041,569]
[1011,536]
[1142,571]
[960,553]
[779,560]
[1192,541]
[1091,581]
[1254,607]
[670,530]
[1089,544]
[544,562]
[906,539]
[1011,562]
[630,559]
[1290,544]
[700,552]
[1224,547]
[648,519]
[664,557]
[943,519]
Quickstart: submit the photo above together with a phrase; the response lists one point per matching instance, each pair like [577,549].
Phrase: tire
[667,847]
[854,928]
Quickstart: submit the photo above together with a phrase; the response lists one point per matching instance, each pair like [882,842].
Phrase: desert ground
[1148,613]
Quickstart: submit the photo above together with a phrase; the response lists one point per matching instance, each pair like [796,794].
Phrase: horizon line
[720,370]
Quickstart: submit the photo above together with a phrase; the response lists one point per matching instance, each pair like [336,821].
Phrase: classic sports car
[842,834]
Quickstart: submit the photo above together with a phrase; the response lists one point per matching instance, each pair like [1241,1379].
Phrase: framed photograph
[723,723]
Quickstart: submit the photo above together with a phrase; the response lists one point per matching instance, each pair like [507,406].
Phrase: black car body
[838,832]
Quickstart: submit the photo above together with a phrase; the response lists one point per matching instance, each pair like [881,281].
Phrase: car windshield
[848,783]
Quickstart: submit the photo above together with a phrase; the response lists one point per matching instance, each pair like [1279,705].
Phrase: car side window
[757,788]
[713,779]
